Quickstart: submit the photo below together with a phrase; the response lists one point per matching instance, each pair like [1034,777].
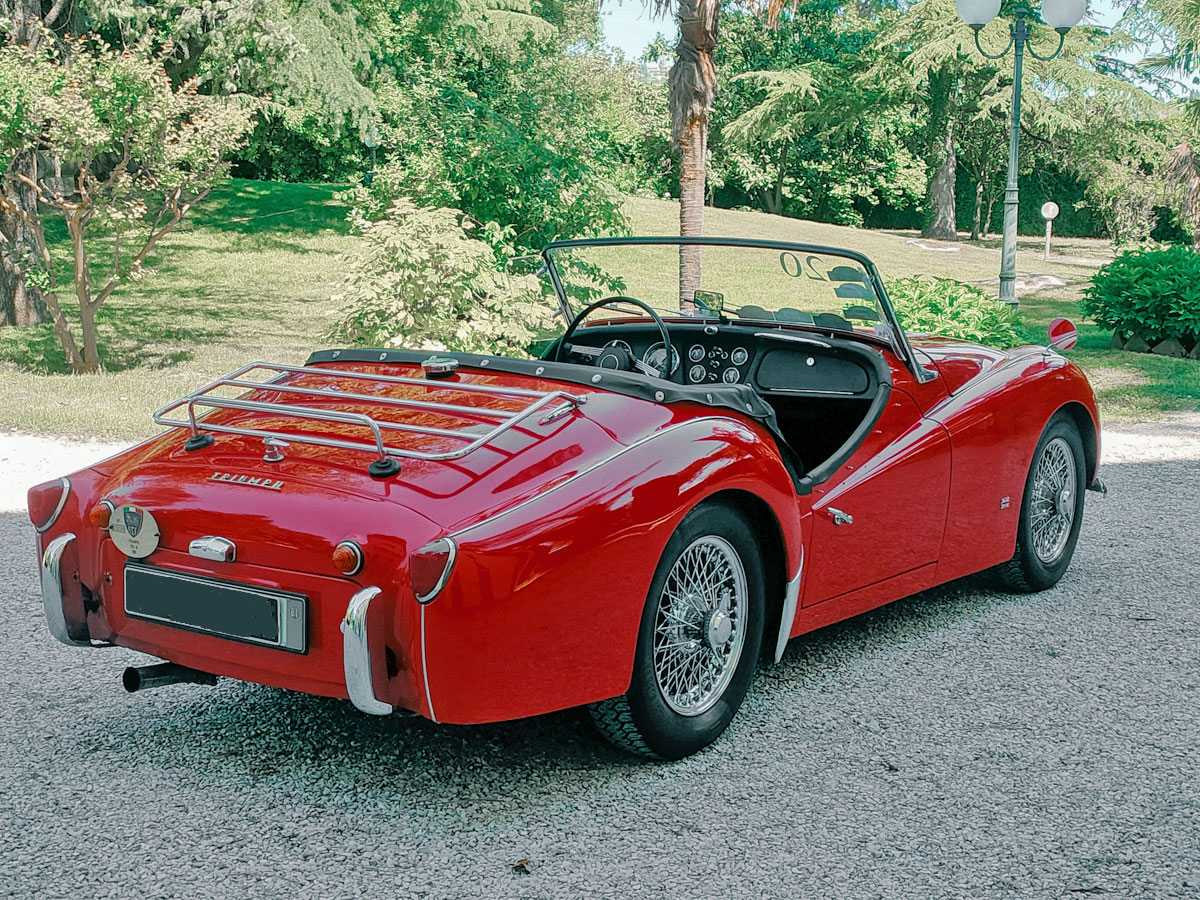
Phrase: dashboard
[703,362]
[769,360]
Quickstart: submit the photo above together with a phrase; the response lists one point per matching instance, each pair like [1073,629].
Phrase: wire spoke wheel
[700,625]
[699,635]
[1052,502]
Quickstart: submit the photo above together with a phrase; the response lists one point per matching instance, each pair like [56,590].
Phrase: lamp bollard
[1049,213]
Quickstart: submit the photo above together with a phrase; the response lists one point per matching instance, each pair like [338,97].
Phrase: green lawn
[251,274]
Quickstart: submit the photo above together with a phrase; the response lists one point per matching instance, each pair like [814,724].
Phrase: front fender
[543,607]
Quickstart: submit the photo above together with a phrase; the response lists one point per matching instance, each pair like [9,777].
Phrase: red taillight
[348,558]
[429,567]
[46,502]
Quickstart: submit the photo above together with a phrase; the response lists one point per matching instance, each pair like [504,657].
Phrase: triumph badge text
[270,484]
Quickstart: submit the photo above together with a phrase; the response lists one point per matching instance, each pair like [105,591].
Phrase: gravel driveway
[958,744]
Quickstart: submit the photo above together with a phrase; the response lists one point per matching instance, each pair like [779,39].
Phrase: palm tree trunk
[691,207]
[692,86]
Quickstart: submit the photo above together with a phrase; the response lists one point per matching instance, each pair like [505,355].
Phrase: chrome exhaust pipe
[141,678]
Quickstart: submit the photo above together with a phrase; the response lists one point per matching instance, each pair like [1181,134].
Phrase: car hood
[961,362]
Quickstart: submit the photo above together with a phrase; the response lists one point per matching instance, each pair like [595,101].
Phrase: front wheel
[1051,511]
[699,640]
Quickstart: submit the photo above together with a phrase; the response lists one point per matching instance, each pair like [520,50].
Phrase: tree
[491,112]
[928,53]
[1176,26]
[310,56]
[136,155]
[23,23]
[924,53]
[777,121]
[1172,28]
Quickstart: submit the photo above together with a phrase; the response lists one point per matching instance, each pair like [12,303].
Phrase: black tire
[1030,570]
[641,721]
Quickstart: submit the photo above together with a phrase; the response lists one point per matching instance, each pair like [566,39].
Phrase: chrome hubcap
[699,626]
[1052,504]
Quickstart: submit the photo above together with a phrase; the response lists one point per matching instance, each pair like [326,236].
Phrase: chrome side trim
[425,669]
[356,655]
[793,338]
[62,501]
[788,618]
[580,474]
[52,594]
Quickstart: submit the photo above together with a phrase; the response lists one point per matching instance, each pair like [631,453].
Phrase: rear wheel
[1051,511]
[698,643]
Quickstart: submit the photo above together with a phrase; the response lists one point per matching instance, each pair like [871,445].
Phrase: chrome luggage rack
[554,405]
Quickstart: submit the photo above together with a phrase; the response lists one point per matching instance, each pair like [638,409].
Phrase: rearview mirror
[713,301]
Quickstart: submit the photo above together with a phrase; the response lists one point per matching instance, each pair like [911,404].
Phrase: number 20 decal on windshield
[792,266]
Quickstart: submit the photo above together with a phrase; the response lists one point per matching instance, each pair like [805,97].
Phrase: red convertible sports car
[628,522]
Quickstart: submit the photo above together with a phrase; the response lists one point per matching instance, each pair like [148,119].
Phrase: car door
[883,513]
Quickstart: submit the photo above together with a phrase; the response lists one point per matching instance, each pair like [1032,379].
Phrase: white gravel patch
[1177,437]
[27,459]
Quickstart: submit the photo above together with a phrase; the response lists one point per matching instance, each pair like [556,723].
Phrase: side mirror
[1063,334]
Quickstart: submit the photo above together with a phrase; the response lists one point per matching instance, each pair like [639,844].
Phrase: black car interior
[826,392]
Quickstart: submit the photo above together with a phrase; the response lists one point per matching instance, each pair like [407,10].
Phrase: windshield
[790,283]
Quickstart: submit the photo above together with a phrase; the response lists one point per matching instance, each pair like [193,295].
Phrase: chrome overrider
[790,600]
[356,655]
[52,595]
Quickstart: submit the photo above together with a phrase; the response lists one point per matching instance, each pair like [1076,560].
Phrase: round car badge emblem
[133,530]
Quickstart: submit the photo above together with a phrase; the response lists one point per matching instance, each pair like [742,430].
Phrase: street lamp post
[1062,16]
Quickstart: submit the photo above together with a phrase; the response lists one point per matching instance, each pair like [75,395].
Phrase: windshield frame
[898,339]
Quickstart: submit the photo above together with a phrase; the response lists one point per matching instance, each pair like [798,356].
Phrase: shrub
[423,280]
[1148,292]
[950,308]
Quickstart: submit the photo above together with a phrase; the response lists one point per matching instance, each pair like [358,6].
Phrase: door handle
[839,517]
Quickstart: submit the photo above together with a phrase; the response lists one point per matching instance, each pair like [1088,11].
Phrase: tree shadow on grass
[259,208]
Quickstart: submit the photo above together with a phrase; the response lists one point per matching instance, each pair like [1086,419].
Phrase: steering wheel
[640,365]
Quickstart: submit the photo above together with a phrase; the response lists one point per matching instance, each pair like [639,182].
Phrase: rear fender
[543,607]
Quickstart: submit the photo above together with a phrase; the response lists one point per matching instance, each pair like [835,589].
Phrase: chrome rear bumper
[68,628]
[356,655]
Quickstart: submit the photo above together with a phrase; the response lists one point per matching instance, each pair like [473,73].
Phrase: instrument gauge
[697,373]
[739,356]
[731,376]
[656,355]
[697,353]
